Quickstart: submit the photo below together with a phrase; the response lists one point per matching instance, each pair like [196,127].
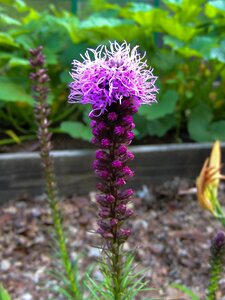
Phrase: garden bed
[171,235]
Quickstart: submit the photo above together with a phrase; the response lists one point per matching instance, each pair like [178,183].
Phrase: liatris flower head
[113,75]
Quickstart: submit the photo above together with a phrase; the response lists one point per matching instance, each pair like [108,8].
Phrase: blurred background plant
[184,41]
[4,294]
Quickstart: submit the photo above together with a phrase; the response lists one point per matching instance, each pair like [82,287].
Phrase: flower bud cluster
[112,133]
[40,78]
[218,244]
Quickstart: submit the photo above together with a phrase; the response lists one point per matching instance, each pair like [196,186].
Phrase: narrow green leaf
[4,294]
[186,290]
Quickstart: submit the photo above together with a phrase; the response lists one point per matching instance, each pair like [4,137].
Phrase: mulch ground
[171,235]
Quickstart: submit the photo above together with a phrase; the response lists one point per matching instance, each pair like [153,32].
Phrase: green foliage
[4,294]
[201,126]
[64,287]
[186,291]
[190,61]
[76,130]
[132,283]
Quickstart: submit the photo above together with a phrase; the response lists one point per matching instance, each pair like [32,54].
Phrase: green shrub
[184,41]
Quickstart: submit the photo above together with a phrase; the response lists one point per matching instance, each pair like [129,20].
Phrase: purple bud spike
[115,81]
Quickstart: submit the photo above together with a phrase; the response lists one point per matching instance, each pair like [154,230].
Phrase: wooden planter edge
[22,172]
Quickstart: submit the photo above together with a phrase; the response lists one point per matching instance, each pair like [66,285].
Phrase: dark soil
[171,235]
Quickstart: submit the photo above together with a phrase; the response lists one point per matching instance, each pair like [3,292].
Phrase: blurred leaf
[20,5]
[201,127]
[7,40]
[8,2]
[166,105]
[65,77]
[176,2]
[18,62]
[219,4]
[214,8]
[4,294]
[139,7]
[178,30]
[14,137]
[32,15]
[101,5]
[5,55]
[173,42]
[218,130]
[51,57]
[203,45]
[162,125]
[7,20]
[76,130]
[86,110]
[165,61]
[186,291]
[199,121]
[219,53]
[97,21]
[141,124]
[25,41]
[73,51]
[150,20]
[71,24]
[12,91]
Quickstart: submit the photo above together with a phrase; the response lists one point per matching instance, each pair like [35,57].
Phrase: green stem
[116,247]
[216,266]
[57,221]
[56,216]
[117,263]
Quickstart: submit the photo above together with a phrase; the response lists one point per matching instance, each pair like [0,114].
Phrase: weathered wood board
[22,173]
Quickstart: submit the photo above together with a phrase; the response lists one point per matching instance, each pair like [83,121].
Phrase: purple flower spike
[115,81]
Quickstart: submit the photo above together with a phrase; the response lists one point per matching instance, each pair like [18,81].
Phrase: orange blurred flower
[208,181]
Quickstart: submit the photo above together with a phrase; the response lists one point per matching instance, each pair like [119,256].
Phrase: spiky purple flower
[108,76]
[115,81]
